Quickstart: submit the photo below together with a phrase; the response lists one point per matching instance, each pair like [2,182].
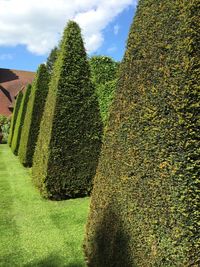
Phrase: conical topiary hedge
[20,121]
[14,117]
[145,206]
[33,116]
[69,141]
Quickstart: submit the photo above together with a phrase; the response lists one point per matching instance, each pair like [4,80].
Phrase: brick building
[11,82]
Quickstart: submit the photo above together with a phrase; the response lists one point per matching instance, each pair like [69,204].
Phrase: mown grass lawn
[34,231]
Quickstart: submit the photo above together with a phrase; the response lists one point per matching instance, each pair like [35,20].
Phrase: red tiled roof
[11,82]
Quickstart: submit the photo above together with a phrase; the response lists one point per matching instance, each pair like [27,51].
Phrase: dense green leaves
[145,207]
[20,121]
[104,72]
[33,116]
[103,69]
[14,117]
[69,141]
[105,93]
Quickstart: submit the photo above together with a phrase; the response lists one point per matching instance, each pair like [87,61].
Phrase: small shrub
[5,126]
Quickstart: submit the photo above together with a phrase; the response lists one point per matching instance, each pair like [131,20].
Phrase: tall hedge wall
[14,117]
[145,206]
[20,121]
[33,116]
[69,141]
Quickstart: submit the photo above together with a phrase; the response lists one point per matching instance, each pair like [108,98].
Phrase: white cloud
[6,57]
[37,24]
[116,29]
[112,49]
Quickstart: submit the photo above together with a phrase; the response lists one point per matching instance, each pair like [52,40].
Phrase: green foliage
[14,117]
[105,93]
[145,206]
[20,121]
[104,72]
[4,127]
[33,116]
[69,140]
[52,59]
[103,69]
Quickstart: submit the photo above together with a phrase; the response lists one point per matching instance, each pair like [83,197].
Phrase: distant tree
[14,117]
[104,73]
[51,59]
[69,141]
[20,121]
[103,69]
[33,116]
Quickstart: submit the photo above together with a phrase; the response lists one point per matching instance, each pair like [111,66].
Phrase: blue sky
[107,36]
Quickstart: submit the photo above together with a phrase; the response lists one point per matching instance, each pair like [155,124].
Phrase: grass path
[33,231]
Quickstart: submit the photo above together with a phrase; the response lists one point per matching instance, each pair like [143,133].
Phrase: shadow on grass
[53,261]
[109,246]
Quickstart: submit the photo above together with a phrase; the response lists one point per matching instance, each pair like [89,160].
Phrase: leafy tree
[104,72]
[69,141]
[33,116]
[14,117]
[103,69]
[145,206]
[20,121]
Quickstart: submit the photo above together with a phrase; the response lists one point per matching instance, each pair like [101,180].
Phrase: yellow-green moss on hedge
[145,206]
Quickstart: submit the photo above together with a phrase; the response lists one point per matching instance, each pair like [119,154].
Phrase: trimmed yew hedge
[14,117]
[145,206]
[33,116]
[20,121]
[69,140]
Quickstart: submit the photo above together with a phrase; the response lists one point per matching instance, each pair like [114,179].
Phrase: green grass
[34,231]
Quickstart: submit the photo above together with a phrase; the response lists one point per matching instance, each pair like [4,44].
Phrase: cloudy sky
[29,29]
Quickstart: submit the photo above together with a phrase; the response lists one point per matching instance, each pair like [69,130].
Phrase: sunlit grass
[34,231]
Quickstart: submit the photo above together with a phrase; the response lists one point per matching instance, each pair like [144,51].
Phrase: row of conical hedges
[145,207]
[62,128]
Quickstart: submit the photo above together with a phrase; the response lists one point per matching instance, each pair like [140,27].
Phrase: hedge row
[145,206]
[20,121]
[14,117]
[33,116]
[69,140]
